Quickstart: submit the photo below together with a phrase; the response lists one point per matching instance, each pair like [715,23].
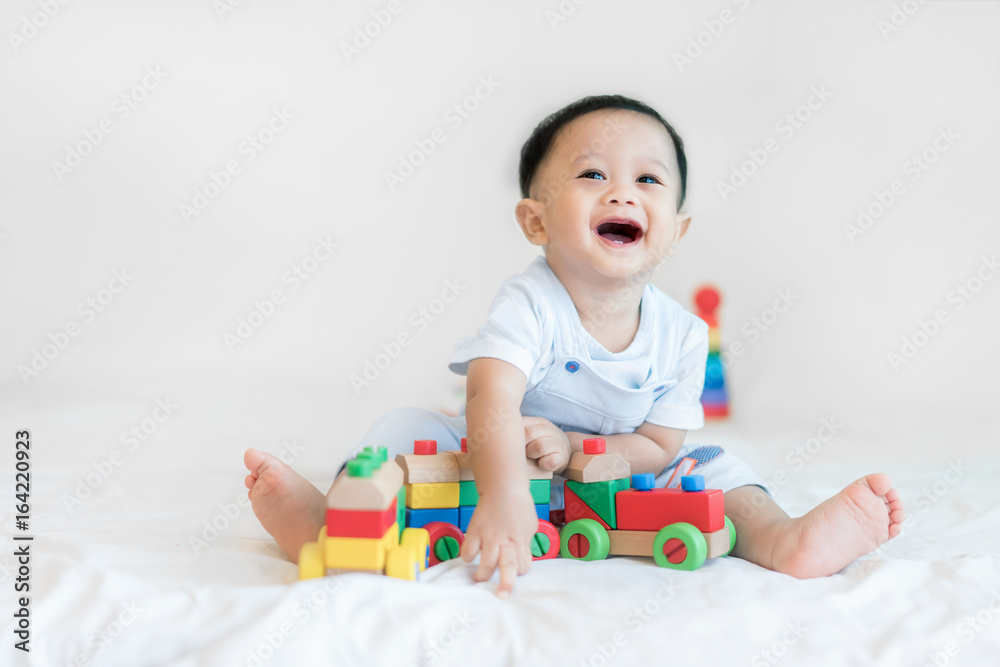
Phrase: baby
[581,344]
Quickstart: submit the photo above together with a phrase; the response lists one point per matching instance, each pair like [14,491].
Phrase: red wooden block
[577,509]
[360,523]
[425,446]
[656,508]
[594,446]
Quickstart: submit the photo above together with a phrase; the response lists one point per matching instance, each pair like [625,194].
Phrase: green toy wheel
[589,530]
[669,542]
[732,535]
[311,565]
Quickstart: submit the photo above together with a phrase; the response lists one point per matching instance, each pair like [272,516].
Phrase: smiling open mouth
[619,232]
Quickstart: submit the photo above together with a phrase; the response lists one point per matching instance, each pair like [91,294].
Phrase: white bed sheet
[116,581]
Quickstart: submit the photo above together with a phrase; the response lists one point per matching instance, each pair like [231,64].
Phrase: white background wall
[323,176]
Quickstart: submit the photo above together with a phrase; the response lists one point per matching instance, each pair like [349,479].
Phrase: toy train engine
[611,512]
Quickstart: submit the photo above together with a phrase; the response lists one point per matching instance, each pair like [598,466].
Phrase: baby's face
[604,200]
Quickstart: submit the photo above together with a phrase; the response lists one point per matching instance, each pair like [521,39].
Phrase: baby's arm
[505,519]
[649,449]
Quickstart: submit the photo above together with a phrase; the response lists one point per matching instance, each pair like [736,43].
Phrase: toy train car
[399,517]
[611,513]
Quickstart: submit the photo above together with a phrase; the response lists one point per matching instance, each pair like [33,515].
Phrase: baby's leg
[292,510]
[850,524]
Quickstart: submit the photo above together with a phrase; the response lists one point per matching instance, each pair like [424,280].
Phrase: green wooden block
[401,508]
[467,493]
[600,496]
[541,491]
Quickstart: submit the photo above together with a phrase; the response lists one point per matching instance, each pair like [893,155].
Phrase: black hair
[540,142]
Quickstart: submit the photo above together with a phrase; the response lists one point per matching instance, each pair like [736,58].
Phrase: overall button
[572,366]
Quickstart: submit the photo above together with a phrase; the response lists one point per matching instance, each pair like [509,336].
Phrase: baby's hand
[502,528]
[546,443]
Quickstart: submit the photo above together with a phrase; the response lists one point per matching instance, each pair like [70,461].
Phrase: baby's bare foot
[289,507]
[851,524]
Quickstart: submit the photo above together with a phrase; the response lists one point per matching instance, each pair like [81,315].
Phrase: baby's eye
[652,179]
[587,174]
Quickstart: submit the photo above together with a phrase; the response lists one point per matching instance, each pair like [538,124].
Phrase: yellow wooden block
[429,496]
[360,553]
[391,537]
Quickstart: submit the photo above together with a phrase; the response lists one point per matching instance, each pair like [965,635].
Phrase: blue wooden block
[465,516]
[643,481]
[693,482]
[420,518]
[542,511]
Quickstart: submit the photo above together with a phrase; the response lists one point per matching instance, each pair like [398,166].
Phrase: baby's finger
[470,547]
[523,561]
[536,449]
[487,562]
[508,570]
[549,461]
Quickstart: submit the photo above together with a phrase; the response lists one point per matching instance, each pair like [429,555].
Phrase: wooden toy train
[400,517]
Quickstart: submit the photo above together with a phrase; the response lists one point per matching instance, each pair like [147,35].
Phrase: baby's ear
[683,221]
[529,217]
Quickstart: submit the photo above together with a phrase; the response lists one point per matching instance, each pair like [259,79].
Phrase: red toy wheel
[545,544]
[445,541]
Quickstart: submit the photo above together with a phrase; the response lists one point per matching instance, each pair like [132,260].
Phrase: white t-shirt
[573,380]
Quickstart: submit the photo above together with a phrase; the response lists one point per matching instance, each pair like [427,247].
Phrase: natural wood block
[366,493]
[596,467]
[718,542]
[631,542]
[429,468]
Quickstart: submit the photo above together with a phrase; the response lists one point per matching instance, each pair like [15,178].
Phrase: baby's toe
[879,483]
